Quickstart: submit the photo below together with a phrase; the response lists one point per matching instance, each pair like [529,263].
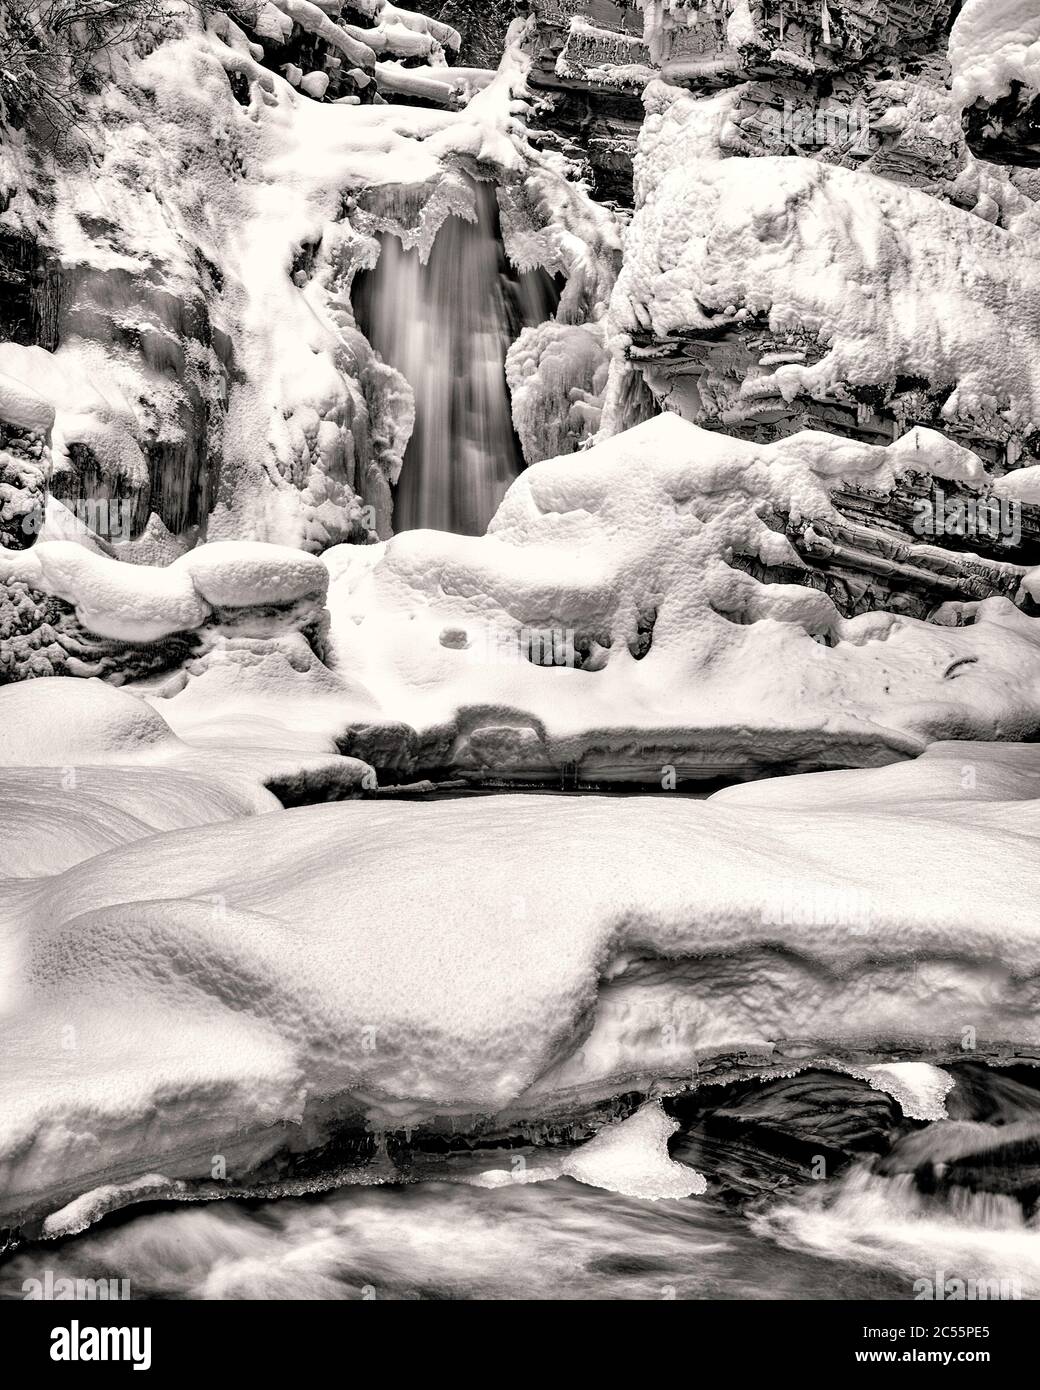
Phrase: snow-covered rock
[242,988]
[602,625]
[847,286]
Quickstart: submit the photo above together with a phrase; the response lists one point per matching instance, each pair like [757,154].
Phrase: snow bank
[600,625]
[55,816]
[994,43]
[193,993]
[84,753]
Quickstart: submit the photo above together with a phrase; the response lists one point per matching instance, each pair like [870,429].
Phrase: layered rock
[589,67]
[68,609]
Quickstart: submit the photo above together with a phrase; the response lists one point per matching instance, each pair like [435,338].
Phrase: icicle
[825,21]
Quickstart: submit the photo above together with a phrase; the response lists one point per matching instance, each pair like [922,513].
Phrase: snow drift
[251,988]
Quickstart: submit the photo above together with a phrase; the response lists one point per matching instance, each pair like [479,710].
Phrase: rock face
[589,67]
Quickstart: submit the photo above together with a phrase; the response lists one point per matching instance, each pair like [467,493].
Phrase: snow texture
[621,553]
[993,44]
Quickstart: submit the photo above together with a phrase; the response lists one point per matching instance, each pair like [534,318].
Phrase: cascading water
[446,326]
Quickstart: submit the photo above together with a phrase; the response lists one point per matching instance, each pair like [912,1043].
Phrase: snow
[632,1158]
[660,654]
[57,723]
[239,574]
[85,1210]
[53,819]
[633,536]
[318,966]
[60,395]
[190,970]
[629,1157]
[21,405]
[891,281]
[142,603]
[994,43]
[1023,485]
[85,766]
[919,1088]
[557,374]
[315,84]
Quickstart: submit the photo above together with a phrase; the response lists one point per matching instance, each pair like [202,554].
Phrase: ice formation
[197,344]
[629,1156]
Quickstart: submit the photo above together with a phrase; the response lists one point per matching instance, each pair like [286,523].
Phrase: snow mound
[994,43]
[600,623]
[56,722]
[197,991]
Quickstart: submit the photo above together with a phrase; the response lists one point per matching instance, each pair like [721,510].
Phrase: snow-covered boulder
[205,1003]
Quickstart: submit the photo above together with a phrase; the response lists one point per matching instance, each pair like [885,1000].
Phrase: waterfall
[446,327]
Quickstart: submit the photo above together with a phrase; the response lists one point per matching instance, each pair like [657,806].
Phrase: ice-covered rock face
[847,287]
[200,354]
[194,336]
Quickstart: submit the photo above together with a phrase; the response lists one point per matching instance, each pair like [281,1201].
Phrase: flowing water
[862,1237]
[446,327]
